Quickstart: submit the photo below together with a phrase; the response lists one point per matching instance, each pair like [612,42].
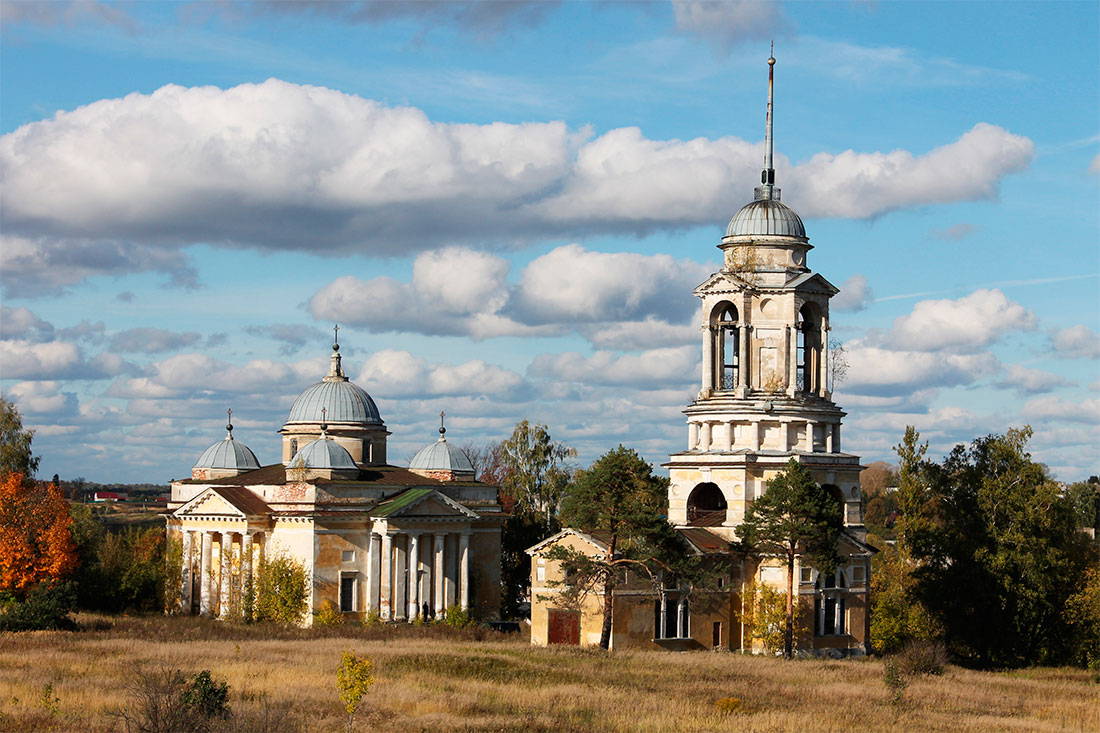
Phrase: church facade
[373,538]
[764,399]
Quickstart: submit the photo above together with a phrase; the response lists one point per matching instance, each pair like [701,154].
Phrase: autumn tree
[620,498]
[15,443]
[532,471]
[35,542]
[795,517]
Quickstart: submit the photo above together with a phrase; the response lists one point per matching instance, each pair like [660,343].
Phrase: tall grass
[438,678]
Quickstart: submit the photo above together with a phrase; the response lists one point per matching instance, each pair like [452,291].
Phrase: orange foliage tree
[35,541]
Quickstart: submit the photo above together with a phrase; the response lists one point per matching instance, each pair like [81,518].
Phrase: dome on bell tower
[767,218]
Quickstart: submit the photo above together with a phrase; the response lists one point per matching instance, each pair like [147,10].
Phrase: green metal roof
[399,502]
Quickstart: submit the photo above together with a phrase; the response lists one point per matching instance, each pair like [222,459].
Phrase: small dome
[228,454]
[768,217]
[322,453]
[441,456]
[343,402]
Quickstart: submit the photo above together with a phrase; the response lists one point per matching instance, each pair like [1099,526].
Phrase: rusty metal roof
[705,541]
[242,499]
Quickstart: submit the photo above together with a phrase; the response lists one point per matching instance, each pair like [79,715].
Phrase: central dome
[766,217]
[342,401]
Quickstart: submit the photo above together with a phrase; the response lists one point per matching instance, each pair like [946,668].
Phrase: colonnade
[402,584]
[216,583]
[720,435]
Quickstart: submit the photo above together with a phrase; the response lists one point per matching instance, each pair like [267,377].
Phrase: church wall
[330,545]
[543,595]
[485,573]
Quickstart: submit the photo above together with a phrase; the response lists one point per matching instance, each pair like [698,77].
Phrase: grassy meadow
[440,679]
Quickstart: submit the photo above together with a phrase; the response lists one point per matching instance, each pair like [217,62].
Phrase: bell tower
[765,394]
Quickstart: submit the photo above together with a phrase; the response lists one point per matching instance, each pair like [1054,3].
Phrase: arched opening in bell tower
[808,354]
[726,332]
[706,506]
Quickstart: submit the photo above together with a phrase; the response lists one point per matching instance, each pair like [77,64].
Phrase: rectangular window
[806,575]
[347,593]
[540,571]
[347,556]
[671,618]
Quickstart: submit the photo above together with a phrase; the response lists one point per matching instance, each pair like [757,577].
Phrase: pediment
[814,283]
[723,282]
[209,503]
[422,503]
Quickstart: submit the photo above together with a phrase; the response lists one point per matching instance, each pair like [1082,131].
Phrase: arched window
[838,496]
[830,604]
[706,506]
[808,359]
[727,345]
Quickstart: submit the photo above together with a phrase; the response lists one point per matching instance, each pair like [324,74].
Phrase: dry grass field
[436,679]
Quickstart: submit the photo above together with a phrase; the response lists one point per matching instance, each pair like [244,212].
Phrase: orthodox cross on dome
[335,370]
[229,423]
[324,423]
[442,430]
[336,336]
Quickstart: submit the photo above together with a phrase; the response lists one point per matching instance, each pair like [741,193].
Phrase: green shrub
[895,681]
[457,617]
[282,592]
[328,615]
[207,696]
[353,678]
[47,606]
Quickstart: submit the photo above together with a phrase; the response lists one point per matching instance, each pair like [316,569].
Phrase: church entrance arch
[706,505]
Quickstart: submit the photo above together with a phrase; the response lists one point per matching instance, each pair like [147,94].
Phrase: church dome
[766,217]
[441,456]
[334,399]
[228,454]
[342,402]
[323,453]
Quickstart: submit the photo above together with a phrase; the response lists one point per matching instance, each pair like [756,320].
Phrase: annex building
[764,398]
[401,542]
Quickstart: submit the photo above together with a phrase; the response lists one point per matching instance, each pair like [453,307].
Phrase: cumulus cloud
[286,166]
[292,336]
[646,334]
[725,23]
[35,266]
[396,373]
[1094,166]
[1075,342]
[880,371]
[458,291]
[956,232]
[152,340]
[1031,381]
[855,294]
[22,323]
[656,367]
[21,359]
[43,398]
[1053,408]
[964,325]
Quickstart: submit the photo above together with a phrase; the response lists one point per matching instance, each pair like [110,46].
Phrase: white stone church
[404,543]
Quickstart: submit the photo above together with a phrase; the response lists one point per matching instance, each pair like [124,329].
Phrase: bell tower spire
[767,189]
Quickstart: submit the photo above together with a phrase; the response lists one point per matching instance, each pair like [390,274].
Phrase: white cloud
[286,166]
[1031,381]
[21,359]
[396,373]
[655,367]
[726,23]
[22,323]
[152,340]
[1054,408]
[964,325]
[878,371]
[646,334]
[1075,342]
[43,398]
[855,294]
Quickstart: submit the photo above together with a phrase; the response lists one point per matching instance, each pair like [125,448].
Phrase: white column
[206,575]
[693,435]
[185,573]
[836,438]
[386,588]
[464,569]
[829,438]
[758,435]
[704,436]
[226,572]
[662,626]
[437,572]
[708,359]
[372,572]
[246,575]
[400,578]
[809,443]
[729,436]
[743,357]
[785,435]
[414,576]
[681,619]
[823,361]
[792,360]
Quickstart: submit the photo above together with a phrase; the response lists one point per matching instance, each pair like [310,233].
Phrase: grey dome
[343,402]
[767,217]
[322,453]
[228,454]
[441,456]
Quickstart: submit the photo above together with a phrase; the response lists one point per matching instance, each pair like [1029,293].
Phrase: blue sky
[507,205]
